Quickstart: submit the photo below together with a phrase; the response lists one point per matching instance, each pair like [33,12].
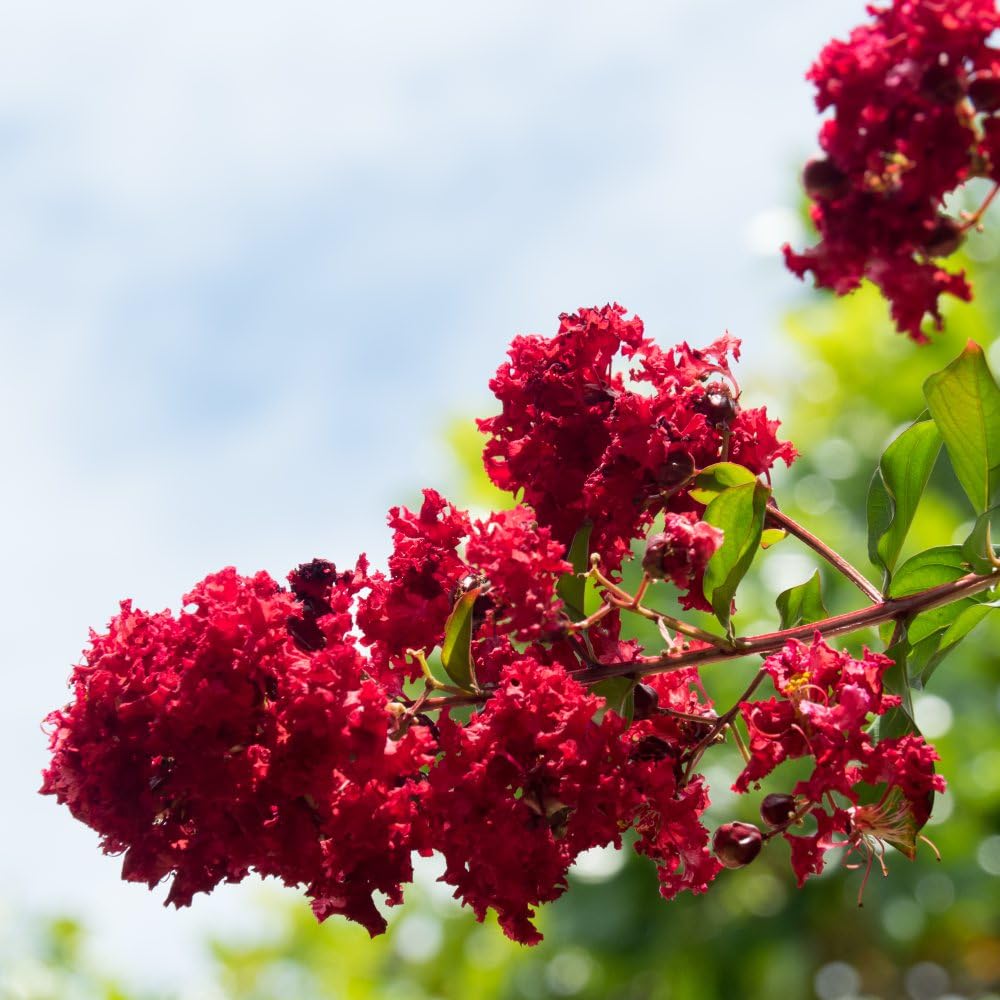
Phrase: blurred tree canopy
[929,930]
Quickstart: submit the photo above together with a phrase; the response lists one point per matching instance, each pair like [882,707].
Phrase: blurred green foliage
[928,930]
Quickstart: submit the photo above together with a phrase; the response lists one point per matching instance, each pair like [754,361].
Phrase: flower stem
[771,642]
[782,520]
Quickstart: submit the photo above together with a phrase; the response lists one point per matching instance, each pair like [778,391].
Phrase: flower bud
[984,92]
[678,468]
[646,702]
[777,809]
[945,238]
[737,844]
[940,83]
[718,405]
[822,179]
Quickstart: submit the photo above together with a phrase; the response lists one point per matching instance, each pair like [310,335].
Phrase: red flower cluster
[680,554]
[825,699]
[209,744]
[281,731]
[914,95]
[511,560]
[586,448]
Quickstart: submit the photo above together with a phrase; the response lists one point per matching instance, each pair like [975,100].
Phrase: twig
[820,547]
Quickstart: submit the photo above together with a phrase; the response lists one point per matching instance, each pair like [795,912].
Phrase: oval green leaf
[714,479]
[895,491]
[965,403]
[739,512]
[802,605]
[456,650]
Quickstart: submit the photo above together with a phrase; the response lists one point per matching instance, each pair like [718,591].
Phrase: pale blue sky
[254,257]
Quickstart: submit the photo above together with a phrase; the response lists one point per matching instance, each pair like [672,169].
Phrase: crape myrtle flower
[680,553]
[538,775]
[440,552]
[589,443]
[825,700]
[913,95]
[521,789]
[668,822]
[209,744]
[408,608]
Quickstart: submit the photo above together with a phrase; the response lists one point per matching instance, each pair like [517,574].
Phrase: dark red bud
[598,395]
[678,468]
[718,405]
[737,844]
[483,604]
[945,238]
[659,549]
[984,92]
[307,635]
[940,83]
[822,179]
[651,748]
[311,584]
[777,809]
[646,702]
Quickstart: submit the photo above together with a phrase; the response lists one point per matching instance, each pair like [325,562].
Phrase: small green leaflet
[895,491]
[572,587]
[976,547]
[965,403]
[714,479]
[771,536]
[929,569]
[802,605]
[456,652]
[739,511]
[897,721]
[619,693]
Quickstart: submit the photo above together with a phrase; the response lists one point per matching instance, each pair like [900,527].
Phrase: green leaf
[771,536]
[896,680]
[571,587]
[895,491]
[929,569]
[976,547]
[619,693]
[456,652]
[739,512]
[715,479]
[803,604]
[965,403]
[940,644]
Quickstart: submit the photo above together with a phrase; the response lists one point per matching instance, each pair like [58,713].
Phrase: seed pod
[737,844]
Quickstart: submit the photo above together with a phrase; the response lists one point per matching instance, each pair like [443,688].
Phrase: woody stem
[770,642]
[782,520]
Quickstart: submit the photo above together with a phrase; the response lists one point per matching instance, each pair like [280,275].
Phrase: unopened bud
[646,702]
[777,809]
[945,238]
[737,844]
[660,550]
[718,405]
[677,469]
[823,180]
[984,92]
[940,83]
